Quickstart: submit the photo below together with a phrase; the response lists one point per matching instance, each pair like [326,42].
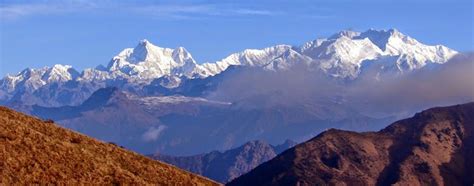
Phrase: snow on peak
[248,57]
[345,33]
[32,79]
[146,51]
[256,57]
[60,73]
[182,56]
[143,42]
[378,37]
[286,60]
[340,55]
[343,53]
[147,61]
[387,40]
[312,44]
[411,53]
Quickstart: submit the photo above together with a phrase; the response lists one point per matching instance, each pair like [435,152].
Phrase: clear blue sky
[86,33]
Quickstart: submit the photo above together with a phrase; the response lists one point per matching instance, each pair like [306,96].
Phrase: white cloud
[14,11]
[255,12]
[177,11]
[173,11]
[153,133]
[200,11]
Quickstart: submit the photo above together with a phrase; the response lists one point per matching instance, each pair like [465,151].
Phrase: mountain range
[434,147]
[230,164]
[344,55]
[158,100]
[183,126]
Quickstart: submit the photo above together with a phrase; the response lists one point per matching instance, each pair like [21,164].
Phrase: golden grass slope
[34,151]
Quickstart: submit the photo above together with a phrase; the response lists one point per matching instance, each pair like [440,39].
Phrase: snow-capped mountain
[248,57]
[147,61]
[343,55]
[31,79]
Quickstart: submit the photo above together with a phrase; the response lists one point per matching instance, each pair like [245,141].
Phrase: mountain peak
[142,51]
[181,49]
[61,73]
[181,52]
[345,33]
[389,31]
[182,57]
[61,66]
[102,97]
[381,38]
[231,163]
[256,143]
[393,30]
[144,42]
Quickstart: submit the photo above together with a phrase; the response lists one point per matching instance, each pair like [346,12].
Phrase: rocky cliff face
[434,147]
[33,151]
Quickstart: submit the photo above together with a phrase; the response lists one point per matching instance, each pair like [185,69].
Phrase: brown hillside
[435,147]
[34,151]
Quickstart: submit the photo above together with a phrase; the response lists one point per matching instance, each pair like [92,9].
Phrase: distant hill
[33,151]
[435,147]
[225,166]
[183,126]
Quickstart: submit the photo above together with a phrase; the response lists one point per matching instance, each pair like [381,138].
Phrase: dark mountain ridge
[227,165]
[183,126]
[434,147]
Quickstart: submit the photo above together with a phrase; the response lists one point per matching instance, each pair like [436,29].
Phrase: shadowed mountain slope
[36,151]
[434,147]
[185,126]
[227,165]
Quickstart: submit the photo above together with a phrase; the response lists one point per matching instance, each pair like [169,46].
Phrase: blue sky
[86,33]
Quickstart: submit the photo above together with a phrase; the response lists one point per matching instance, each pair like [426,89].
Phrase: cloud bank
[435,85]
